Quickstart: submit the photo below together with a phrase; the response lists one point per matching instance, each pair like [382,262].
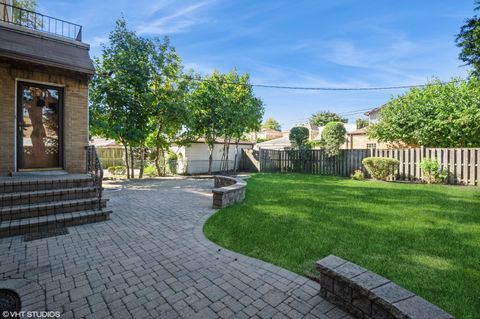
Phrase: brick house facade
[43,99]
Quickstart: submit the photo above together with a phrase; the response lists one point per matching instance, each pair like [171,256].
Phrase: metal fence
[462,164]
[40,22]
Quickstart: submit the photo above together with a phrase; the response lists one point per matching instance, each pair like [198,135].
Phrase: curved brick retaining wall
[228,191]
[367,295]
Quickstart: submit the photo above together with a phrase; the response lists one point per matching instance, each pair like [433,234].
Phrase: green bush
[358,175]
[117,170]
[432,172]
[381,168]
[172,159]
[150,171]
[333,137]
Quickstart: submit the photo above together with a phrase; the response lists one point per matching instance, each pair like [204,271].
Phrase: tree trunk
[227,152]
[126,159]
[142,161]
[132,162]
[210,158]
[164,163]
[236,155]
[157,161]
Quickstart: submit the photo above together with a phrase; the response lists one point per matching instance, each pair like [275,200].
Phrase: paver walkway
[151,260]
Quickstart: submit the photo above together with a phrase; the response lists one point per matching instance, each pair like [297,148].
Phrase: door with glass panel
[39,126]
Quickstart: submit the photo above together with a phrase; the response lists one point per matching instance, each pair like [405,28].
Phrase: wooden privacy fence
[462,164]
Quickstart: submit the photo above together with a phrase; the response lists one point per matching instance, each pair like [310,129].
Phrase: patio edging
[367,295]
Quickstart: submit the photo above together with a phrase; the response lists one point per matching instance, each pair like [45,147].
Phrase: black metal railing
[95,170]
[39,22]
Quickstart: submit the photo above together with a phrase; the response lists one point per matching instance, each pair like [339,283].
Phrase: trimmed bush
[381,168]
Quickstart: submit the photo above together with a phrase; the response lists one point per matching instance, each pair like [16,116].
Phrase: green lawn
[424,237]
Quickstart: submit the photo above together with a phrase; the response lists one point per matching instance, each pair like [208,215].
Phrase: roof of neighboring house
[100,142]
[222,141]
[360,131]
[375,110]
[277,143]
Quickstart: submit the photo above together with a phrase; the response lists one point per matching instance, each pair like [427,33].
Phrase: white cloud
[179,21]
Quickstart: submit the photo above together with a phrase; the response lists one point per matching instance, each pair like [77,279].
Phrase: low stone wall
[228,191]
[367,295]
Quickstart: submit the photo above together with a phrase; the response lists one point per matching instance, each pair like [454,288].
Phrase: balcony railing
[39,22]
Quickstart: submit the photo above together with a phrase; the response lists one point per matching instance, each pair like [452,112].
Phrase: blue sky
[342,43]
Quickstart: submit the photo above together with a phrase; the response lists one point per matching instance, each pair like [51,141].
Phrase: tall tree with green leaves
[272,124]
[437,115]
[120,96]
[469,41]
[322,118]
[208,102]
[170,117]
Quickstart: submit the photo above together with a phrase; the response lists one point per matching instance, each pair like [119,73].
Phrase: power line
[306,88]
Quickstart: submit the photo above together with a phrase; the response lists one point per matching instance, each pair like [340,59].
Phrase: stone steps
[34,224]
[28,203]
[43,196]
[30,184]
[49,208]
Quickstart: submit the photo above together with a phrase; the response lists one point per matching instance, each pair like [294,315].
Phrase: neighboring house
[264,134]
[275,144]
[44,72]
[358,139]
[193,159]
[110,152]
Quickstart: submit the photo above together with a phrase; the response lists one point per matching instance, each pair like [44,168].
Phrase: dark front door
[39,126]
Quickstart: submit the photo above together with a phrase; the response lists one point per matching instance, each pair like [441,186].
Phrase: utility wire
[306,88]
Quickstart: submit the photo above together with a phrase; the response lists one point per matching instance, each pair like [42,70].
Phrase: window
[371,146]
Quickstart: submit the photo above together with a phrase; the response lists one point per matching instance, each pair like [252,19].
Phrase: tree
[361,123]
[299,137]
[120,91]
[207,103]
[333,136]
[437,115]
[170,118]
[223,105]
[469,41]
[322,118]
[272,124]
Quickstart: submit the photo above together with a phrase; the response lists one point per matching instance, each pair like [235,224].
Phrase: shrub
[432,172]
[150,171]
[117,170]
[172,159]
[358,175]
[381,168]
[333,136]
[298,137]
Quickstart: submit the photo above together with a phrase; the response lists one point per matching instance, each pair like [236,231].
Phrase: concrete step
[31,184]
[43,196]
[49,208]
[30,225]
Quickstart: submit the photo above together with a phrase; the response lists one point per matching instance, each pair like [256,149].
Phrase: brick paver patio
[151,260]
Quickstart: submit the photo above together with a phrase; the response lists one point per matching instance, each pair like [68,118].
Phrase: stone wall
[75,135]
[367,295]
[228,191]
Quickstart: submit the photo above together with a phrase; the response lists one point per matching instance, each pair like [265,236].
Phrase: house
[193,159]
[264,134]
[44,72]
[359,139]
